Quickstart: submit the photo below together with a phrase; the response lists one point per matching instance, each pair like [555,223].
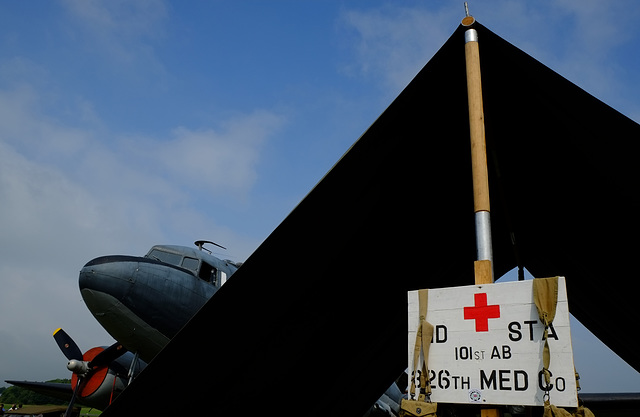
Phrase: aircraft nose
[111,275]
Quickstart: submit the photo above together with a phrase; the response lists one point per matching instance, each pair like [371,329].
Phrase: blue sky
[127,124]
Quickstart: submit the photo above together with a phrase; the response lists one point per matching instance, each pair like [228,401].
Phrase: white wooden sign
[487,345]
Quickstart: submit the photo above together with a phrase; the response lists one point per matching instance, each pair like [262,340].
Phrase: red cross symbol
[482,312]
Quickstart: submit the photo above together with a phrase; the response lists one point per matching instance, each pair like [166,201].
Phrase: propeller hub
[78,367]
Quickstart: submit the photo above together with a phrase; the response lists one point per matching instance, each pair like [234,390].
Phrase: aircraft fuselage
[142,302]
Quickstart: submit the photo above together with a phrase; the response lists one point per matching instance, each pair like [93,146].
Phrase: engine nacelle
[101,385]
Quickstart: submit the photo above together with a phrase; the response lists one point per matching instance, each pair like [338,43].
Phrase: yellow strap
[545,296]
[423,343]
[551,410]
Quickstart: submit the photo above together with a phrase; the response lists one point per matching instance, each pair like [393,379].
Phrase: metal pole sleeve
[483,236]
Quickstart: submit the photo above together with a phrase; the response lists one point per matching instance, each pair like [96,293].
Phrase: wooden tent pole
[478,151]
[483,266]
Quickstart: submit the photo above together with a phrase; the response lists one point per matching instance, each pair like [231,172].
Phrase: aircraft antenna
[200,244]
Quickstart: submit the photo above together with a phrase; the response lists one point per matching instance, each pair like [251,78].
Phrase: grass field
[40,409]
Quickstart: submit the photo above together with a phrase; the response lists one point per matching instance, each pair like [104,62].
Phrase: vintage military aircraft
[142,302]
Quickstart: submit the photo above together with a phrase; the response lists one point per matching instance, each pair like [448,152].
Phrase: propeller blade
[108,355]
[67,345]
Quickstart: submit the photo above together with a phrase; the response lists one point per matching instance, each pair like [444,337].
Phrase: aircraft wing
[325,332]
[61,391]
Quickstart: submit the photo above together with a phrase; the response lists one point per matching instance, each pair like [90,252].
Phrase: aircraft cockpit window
[208,273]
[190,263]
[166,257]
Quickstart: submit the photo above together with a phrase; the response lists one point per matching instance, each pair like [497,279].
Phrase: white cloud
[24,125]
[595,31]
[394,43]
[218,160]
[119,20]
[120,35]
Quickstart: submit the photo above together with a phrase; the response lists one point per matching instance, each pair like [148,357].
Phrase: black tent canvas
[315,321]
